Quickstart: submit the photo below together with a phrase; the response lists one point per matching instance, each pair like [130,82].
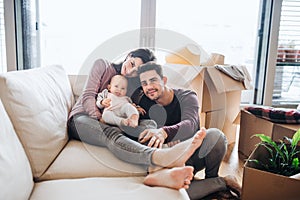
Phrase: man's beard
[153,98]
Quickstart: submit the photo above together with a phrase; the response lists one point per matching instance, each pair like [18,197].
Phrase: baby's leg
[110,117]
[132,114]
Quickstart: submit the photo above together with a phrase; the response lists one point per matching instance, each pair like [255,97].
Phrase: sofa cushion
[38,102]
[16,177]
[103,188]
[79,160]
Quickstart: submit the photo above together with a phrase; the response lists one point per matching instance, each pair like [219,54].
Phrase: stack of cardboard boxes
[219,95]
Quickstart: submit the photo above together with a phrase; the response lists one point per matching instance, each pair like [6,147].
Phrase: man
[176,114]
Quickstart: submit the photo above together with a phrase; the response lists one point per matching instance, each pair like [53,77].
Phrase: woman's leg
[84,128]
[133,133]
[91,131]
[177,155]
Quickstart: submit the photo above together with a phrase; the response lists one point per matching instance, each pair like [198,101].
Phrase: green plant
[284,155]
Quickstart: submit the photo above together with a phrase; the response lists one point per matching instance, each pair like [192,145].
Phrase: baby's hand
[141,110]
[106,102]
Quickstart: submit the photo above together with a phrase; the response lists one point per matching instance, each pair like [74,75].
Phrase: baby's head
[118,85]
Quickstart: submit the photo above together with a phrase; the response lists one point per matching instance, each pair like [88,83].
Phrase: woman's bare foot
[175,178]
[180,153]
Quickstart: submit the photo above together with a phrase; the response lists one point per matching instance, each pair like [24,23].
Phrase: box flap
[181,75]
[282,130]
[223,82]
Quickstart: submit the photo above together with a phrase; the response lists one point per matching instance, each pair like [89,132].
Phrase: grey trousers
[89,130]
[209,156]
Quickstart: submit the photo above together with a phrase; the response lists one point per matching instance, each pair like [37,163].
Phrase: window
[71,30]
[225,27]
[287,74]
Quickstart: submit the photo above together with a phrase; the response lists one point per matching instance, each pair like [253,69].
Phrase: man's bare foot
[175,178]
[177,155]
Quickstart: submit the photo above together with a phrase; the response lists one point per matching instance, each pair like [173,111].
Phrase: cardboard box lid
[224,83]
[181,76]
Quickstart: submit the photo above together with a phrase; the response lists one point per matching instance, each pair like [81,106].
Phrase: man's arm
[190,122]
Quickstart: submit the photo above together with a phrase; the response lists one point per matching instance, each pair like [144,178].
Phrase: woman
[84,124]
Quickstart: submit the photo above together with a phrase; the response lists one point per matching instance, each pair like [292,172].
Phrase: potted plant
[269,169]
[283,155]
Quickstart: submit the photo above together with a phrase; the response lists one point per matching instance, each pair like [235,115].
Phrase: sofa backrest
[16,178]
[38,102]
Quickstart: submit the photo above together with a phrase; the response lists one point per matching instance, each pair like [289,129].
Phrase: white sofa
[37,159]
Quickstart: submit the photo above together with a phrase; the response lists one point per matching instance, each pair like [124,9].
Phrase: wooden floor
[232,164]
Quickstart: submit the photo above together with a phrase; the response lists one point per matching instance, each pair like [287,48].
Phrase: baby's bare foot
[175,178]
[124,122]
[133,120]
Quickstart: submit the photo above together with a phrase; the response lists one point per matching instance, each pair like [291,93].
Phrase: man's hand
[106,102]
[155,137]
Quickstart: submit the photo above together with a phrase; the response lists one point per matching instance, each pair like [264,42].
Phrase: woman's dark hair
[144,54]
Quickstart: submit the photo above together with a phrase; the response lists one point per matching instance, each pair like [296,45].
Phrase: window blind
[289,32]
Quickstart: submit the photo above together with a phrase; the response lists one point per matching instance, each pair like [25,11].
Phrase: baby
[118,108]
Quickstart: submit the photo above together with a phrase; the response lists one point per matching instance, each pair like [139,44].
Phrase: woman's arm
[98,80]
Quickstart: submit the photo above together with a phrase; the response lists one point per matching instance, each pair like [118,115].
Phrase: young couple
[175,112]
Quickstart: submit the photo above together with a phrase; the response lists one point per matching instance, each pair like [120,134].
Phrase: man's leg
[201,188]
[210,154]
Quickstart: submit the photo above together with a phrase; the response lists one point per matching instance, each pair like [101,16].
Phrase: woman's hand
[155,137]
[106,102]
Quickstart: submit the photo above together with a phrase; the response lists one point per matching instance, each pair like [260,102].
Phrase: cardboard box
[218,94]
[186,77]
[221,101]
[258,184]
[251,125]
[281,130]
